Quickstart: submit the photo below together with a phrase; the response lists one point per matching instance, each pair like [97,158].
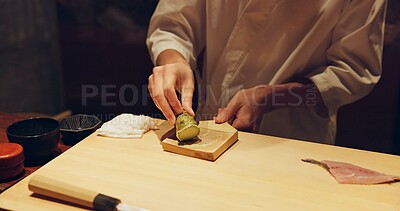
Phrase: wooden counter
[257,173]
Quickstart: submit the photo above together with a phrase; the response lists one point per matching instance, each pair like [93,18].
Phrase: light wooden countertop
[257,173]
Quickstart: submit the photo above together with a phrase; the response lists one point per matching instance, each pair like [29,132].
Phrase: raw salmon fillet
[346,173]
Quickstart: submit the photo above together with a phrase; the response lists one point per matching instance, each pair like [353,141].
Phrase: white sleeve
[355,55]
[178,25]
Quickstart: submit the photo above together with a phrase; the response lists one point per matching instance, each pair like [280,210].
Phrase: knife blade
[125,207]
[57,189]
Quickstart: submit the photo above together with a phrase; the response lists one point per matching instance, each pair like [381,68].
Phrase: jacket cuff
[323,81]
[183,47]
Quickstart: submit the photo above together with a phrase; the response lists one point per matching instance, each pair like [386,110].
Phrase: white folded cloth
[127,126]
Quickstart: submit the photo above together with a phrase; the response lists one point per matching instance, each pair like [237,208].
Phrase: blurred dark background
[103,51]
[90,56]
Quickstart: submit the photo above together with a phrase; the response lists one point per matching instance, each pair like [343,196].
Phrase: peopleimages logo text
[131,95]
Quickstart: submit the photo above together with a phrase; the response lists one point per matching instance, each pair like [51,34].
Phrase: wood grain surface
[213,140]
[258,173]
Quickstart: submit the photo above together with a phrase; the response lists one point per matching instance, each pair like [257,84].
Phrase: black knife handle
[105,203]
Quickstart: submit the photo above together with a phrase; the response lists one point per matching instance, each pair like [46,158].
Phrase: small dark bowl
[77,127]
[39,138]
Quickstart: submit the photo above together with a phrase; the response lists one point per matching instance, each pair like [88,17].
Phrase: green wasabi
[186,127]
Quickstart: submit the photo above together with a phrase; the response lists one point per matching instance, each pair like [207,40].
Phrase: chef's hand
[173,73]
[245,110]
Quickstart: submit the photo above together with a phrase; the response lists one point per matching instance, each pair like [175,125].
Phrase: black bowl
[39,138]
[77,127]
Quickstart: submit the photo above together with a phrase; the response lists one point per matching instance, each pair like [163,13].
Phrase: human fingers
[243,123]
[244,126]
[150,88]
[225,115]
[185,86]
[230,121]
[159,96]
[246,119]
[220,110]
[230,111]
[187,97]
[170,79]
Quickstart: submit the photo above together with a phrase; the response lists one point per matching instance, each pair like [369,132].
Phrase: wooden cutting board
[213,140]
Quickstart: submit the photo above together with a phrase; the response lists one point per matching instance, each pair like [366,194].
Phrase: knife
[54,188]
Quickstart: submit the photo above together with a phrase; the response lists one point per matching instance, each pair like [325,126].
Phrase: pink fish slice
[346,173]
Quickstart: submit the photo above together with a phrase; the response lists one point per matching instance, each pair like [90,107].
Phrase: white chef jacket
[335,43]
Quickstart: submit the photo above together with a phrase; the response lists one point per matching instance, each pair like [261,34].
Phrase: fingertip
[191,112]
[171,120]
[170,116]
[224,116]
[218,119]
